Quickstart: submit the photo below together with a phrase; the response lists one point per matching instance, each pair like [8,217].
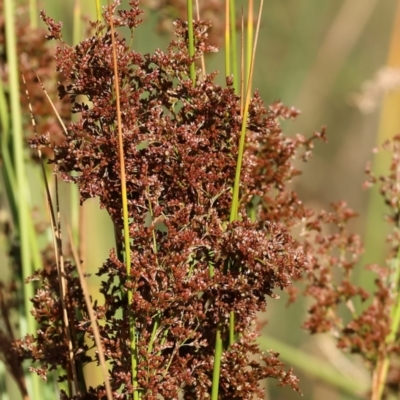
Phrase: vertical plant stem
[234,213]
[98,10]
[77,26]
[217,363]
[7,167]
[234,50]
[250,38]
[77,215]
[21,183]
[243,80]
[125,215]
[33,13]
[203,64]
[227,39]
[191,39]
[236,186]
[218,336]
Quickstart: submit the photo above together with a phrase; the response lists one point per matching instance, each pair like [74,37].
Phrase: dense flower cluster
[190,267]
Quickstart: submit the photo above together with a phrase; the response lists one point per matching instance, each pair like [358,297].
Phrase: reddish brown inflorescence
[369,327]
[180,144]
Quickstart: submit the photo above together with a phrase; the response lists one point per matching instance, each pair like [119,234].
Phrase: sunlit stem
[191,40]
[127,245]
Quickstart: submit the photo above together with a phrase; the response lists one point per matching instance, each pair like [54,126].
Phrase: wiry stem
[132,327]
[191,40]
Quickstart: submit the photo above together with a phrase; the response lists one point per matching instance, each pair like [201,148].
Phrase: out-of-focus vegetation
[330,59]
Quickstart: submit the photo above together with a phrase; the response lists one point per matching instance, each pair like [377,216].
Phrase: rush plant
[191,264]
[197,182]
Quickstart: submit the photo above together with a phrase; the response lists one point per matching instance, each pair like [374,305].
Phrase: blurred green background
[319,56]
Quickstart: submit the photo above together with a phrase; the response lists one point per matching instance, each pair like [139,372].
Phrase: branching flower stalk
[185,141]
[125,216]
[196,182]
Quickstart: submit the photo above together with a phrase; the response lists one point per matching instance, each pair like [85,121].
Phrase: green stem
[217,363]
[21,183]
[249,46]
[7,167]
[231,48]
[234,50]
[125,216]
[153,333]
[191,39]
[227,39]
[98,10]
[77,25]
[33,13]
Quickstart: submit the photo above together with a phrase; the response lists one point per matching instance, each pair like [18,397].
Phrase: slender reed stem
[7,167]
[217,363]
[236,187]
[20,177]
[132,328]
[243,79]
[98,10]
[234,50]
[191,39]
[33,14]
[234,213]
[77,26]
[227,39]
[250,38]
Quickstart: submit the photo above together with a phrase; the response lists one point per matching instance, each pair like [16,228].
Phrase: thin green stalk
[191,39]
[7,167]
[234,50]
[217,363]
[21,183]
[233,217]
[75,208]
[153,333]
[76,23]
[236,186]
[33,14]
[3,385]
[217,354]
[158,316]
[227,39]
[98,10]
[17,136]
[10,181]
[250,38]
[132,327]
